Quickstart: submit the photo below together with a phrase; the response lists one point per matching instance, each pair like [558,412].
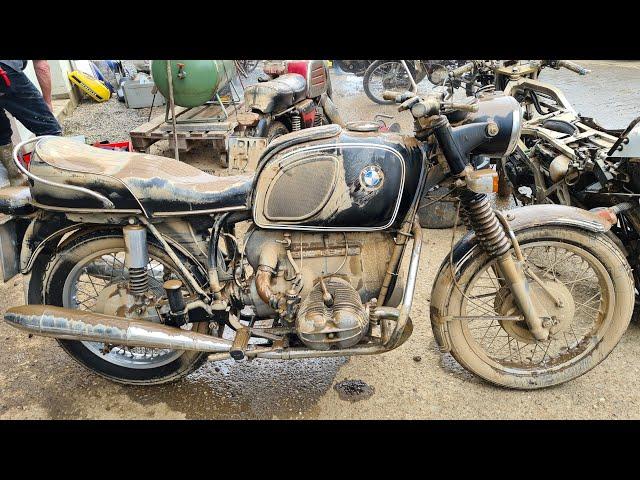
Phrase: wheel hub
[558,316]
[115,300]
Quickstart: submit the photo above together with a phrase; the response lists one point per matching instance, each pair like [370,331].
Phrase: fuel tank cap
[363,126]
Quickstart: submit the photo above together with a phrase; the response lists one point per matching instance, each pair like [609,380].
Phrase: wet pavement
[38,379]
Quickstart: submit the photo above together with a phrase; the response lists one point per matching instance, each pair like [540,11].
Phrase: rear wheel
[276,129]
[85,275]
[586,271]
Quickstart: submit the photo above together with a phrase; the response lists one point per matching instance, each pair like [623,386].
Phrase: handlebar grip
[574,67]
[390,95]
[466,107]
[467,67]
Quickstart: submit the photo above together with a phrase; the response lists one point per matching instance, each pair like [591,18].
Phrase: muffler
[69,324]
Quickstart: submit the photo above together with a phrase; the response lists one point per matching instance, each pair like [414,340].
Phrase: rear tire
[276,129]
[57,273]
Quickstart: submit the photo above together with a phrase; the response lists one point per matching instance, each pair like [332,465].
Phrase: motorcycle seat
[276,95]
[15,200]
[150,183]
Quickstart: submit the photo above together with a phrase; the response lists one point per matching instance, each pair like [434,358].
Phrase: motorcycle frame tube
[407,300]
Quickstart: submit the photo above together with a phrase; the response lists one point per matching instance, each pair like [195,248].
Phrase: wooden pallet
[193,127]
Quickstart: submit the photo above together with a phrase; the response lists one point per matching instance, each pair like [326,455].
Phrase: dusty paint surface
[38,380]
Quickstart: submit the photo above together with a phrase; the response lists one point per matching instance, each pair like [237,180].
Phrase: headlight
[506,113]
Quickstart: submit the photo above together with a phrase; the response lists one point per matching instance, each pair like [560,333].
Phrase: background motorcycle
[290,96]
[391,75]
[357,67]
[136,263]
[565,158]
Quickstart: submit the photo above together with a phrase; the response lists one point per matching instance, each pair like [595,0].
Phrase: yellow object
[93,87]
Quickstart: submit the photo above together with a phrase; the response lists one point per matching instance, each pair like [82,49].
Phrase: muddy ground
[38,380]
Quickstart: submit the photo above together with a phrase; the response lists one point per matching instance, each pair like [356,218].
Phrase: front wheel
[586,271]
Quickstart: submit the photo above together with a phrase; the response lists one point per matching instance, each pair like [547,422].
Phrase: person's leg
[23,100]
[9,173]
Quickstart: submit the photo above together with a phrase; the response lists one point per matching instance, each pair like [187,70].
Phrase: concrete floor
[38,380]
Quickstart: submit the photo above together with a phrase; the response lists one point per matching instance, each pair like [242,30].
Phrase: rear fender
[519,219]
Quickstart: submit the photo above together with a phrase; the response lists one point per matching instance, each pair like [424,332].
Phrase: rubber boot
[10,170]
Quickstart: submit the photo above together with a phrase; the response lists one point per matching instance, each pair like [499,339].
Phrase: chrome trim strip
[341,229]
[198,212]
[516,127]
[85,210]
[105,201]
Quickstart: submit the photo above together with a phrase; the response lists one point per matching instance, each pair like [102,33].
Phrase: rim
[388,76]
[100,270]
[566,268]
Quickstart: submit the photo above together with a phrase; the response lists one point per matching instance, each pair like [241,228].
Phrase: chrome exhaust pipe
[70,324]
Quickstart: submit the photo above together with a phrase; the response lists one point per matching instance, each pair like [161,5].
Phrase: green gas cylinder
[195,82]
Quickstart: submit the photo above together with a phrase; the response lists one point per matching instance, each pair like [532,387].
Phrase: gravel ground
[38,380]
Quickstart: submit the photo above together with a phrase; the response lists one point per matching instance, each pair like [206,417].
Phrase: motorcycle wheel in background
[389,75]
[248,65]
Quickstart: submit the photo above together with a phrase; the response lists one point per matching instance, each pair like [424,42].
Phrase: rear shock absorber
[483,220]
[136,258]
[296,122]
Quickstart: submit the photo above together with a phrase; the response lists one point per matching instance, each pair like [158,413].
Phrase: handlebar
[458,72]
[574,67]
[427,106]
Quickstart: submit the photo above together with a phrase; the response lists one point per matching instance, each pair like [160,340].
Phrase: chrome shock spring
[296,122]
[138,280]
[483,220]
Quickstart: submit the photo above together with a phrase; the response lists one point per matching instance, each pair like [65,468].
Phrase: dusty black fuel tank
[328,178]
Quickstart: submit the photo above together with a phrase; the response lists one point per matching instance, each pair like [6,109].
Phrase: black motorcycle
[137,264]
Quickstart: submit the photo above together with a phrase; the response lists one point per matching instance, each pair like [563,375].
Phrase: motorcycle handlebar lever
[458,72]
[574,67]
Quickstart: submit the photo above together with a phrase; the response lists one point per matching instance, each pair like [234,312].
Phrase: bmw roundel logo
[371,177]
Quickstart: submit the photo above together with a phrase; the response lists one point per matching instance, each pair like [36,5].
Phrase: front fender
[535,215]
[519,219]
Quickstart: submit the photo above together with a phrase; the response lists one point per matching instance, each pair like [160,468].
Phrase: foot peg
[240,343]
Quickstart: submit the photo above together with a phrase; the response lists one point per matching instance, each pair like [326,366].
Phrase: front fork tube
[492,233]
[513,272]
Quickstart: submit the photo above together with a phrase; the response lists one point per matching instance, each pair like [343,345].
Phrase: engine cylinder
[341,323]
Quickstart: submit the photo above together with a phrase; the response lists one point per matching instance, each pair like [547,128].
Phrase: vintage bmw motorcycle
[137,263]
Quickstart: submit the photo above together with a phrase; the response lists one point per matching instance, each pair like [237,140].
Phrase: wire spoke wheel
[98,278]
[570,273]
[89,273]
[584,292]
[385,75]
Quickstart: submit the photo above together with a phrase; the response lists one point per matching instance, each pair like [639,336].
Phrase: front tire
[100,244]
[502,352]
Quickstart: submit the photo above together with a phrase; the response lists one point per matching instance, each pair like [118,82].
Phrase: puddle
[354,390]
